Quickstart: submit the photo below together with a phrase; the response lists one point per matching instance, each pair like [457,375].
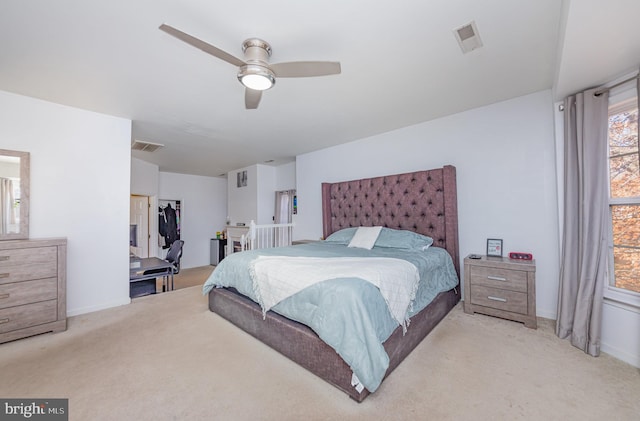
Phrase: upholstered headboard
[425,202]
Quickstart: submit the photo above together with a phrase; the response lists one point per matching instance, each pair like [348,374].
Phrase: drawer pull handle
[496,278]
[4,258]
[3,321]
[4,275]
[502,300]
[3,296]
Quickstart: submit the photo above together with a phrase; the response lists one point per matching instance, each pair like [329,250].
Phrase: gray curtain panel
[585,253]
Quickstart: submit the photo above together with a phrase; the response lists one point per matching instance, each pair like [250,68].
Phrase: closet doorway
[139,216]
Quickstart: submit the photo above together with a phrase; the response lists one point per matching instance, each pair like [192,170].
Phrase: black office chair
[174,254]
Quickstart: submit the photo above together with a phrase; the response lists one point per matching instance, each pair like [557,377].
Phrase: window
[624,193]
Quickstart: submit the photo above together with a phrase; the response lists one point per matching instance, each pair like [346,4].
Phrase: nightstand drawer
[19,293]
[501,299]
[514,280]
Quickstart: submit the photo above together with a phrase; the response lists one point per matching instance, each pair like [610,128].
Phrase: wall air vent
[468,37]
[139,145]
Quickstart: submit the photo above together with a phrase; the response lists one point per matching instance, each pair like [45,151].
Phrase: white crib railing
[267,236]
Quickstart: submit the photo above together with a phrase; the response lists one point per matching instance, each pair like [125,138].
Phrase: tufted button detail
[407,201]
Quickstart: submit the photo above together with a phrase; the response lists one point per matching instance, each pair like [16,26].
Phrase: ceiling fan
[255,72]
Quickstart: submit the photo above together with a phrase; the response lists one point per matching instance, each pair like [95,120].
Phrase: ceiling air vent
[468,37]
[139,145]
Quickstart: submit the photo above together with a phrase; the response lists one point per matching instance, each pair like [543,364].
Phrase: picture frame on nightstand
[494,247]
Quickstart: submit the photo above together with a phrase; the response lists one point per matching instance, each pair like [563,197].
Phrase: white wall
[286,176]
[144,178]
[621,332]
[255,201]
[203,202]
[242,205]
[80,170]
[266,194]
[505,159]
[10,169]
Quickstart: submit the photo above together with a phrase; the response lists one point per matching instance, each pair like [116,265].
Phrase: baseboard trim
[104,306]
[621,355]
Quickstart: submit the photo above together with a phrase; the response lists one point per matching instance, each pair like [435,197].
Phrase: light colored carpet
[188,277]
[167,357]
[192,276]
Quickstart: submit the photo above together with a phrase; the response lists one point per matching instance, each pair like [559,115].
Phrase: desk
[138,266]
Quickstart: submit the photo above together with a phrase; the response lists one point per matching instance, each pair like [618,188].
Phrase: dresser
[33,292]
[501,287]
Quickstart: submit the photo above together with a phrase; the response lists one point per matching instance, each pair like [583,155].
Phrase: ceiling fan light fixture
[254,71]
[256,77]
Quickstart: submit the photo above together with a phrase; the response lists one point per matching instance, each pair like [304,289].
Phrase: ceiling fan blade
[252,98]
[306,68]
[206,47]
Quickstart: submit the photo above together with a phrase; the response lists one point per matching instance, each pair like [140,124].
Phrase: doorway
[139,216]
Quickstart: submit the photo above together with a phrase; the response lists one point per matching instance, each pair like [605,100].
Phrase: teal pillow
[403,239]
[342,236]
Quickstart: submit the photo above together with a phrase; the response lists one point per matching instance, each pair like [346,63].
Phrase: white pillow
[365,237]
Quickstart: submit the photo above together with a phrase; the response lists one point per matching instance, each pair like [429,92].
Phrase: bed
[422,202]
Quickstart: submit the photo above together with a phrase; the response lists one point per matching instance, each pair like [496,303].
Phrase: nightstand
[501,287]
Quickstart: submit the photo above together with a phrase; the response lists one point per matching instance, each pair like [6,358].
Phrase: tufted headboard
[425,202]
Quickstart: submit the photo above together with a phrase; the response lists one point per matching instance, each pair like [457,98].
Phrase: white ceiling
[401,65]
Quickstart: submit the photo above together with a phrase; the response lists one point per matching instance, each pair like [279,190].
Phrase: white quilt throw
[278,277]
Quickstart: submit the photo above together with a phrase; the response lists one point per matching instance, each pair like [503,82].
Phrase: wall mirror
[14,195]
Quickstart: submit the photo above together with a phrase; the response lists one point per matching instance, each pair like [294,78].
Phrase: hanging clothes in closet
[168,223]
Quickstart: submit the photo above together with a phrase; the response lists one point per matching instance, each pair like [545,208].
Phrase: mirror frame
[24,195]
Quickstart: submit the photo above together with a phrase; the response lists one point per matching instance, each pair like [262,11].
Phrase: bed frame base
[301,344]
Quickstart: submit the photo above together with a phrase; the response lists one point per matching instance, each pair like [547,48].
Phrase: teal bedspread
[349,314]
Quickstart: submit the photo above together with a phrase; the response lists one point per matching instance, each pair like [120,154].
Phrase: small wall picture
[494,247]
[242,178]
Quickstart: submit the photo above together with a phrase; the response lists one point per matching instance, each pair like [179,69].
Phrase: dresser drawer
[19,293]
[29,263]
[501,299]
[514,280]
[28,315]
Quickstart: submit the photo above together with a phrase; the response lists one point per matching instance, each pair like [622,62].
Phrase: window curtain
[584,263]
[284,215]
[7,209]
[284,206]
